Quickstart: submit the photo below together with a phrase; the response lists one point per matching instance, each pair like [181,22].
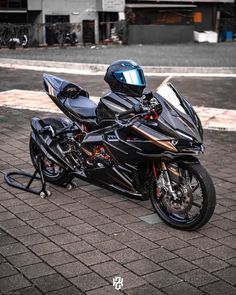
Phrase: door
[89,31]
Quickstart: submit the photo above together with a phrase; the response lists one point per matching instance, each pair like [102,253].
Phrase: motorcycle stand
[43,192]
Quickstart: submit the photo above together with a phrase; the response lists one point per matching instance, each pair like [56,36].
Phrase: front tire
[185,220]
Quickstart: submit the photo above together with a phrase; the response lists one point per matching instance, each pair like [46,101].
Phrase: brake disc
[183,203]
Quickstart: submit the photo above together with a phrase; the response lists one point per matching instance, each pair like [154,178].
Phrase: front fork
[163,182]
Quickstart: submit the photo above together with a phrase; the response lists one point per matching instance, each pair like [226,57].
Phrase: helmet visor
[132,77]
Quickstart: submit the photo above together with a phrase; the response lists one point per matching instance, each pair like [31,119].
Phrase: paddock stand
[43,192]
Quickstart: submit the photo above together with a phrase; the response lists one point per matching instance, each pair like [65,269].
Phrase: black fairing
[178,124]
[113,103]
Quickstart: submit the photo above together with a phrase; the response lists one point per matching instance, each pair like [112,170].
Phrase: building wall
[162,34]
[77,10]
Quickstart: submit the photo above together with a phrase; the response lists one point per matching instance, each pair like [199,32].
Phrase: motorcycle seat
[81,106]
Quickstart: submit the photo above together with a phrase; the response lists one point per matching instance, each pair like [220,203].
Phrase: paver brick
[125,256]
[97,220]
[141,245]
[109,246]
[52,230]
[21,231]
[82,229]
[40,222]
[29,215]
[229,241]
[178,265]
[72,269]
[12,249]
[85,213]
[159,255]
[107,290]
[58,258]
[68,221]
[95,237]
[92,257]
[109,268]
[14,282]
[24,259]
[66,291]
[65,238]
[88,281]
[77,247]
[145,289]
[5,215]
[219,288]
[110,228]
[222,252]
[143,266]
[162,278]
[172,243]
[111,212]
[210,263]
[33,239]
[51,282]
[6,239]
[56,214]
[6,269]
[125,219]
[11,223]
[227,274]
[20,209]
[198,277]
[36,270]
[155,234]
[214,233]
[73,206]
[182,288]
[191,253]
[126,236]
[204,243]
[45,248]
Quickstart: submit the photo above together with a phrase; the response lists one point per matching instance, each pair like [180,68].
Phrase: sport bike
[145,147]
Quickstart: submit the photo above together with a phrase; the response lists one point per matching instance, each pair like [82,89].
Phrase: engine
[99,159]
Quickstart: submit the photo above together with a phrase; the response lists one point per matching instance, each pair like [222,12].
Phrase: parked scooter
[142,144]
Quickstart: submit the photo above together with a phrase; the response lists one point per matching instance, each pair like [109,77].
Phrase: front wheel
[192,201]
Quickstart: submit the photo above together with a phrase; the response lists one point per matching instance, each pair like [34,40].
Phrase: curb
[97,69]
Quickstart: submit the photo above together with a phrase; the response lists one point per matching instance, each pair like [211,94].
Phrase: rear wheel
[194,201]
[52,172]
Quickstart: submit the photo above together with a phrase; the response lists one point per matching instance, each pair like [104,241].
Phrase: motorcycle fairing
[174,122]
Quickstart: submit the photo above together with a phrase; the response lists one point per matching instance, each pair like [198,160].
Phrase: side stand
[42,192]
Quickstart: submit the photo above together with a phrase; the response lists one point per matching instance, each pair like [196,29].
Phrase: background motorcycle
[145,148]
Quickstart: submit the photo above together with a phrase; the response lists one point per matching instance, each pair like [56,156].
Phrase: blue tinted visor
[132,77]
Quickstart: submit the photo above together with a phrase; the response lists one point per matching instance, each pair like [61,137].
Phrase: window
[13,4]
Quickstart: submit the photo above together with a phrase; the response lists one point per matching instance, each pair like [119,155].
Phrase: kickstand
[42,192]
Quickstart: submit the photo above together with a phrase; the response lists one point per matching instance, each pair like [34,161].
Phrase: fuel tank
[114,103]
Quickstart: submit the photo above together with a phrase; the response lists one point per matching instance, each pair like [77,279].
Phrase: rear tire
[208,200]
[59,178]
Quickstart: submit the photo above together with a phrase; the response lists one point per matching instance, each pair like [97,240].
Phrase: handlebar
[134,109]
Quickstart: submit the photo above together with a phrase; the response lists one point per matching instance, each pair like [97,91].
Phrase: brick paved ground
[75,242]
[192,54]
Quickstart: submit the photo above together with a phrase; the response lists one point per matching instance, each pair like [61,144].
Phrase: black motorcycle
[145,148]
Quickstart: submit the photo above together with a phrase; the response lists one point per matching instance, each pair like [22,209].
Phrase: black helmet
[125,76]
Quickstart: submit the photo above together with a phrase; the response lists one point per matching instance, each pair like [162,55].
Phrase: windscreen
[171,96]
